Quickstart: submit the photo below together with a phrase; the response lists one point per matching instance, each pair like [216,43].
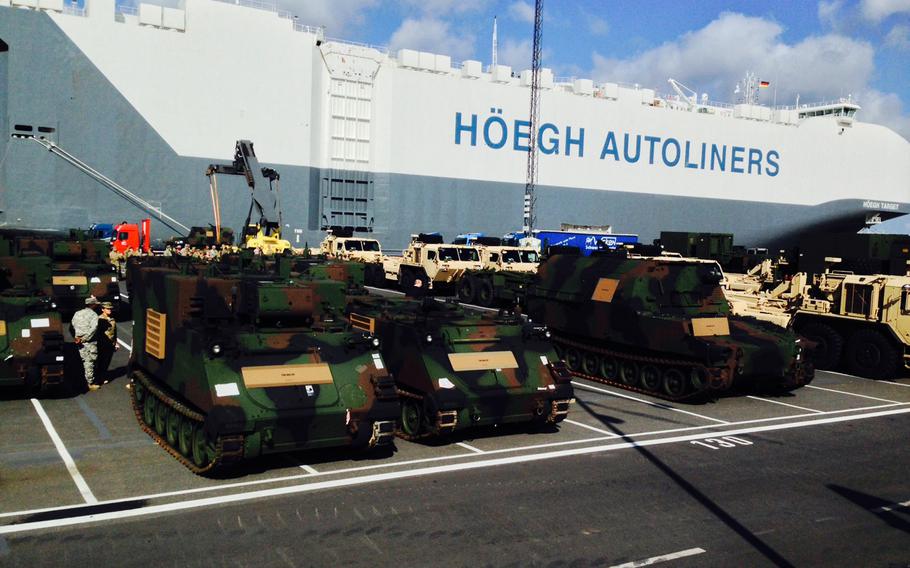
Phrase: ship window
[46,129]
[23,127]
[4,47]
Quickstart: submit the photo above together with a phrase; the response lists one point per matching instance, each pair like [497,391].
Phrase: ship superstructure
[404,142]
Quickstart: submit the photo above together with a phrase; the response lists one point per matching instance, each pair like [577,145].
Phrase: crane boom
[115,187]
[531,180]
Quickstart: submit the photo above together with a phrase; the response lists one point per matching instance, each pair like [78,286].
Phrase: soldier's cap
[107,305]
[91,301]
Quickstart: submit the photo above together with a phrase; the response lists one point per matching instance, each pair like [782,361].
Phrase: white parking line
[874,381]
[851,394]
[598,430]
[309,469]
[386,465]
[648,402]
[784,404]
[420,472]
[661,558]
[125,344]
[65,455]
[469,447]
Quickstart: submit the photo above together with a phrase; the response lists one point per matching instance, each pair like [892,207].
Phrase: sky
[819,50]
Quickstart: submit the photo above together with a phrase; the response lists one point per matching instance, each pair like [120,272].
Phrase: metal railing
[74,10]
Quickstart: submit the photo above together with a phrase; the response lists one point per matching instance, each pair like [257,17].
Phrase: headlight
[429,338]
[216,349]
[54,305]
[547,334]
[375,342]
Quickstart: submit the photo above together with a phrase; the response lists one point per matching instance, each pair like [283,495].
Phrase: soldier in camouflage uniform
[107,341]
[85,334]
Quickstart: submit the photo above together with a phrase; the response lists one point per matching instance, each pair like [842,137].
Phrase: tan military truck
[340,243]
[505,274]
[860,322]
[429,265]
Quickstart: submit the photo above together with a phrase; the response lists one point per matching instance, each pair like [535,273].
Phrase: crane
[265,233]
[531,180]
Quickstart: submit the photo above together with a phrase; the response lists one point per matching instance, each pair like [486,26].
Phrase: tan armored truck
[506,271]
[428,265]
[341,244]
[860,322]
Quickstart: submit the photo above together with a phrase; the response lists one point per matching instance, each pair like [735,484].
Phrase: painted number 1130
[724,442]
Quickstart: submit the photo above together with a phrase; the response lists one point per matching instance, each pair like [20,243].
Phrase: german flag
[764,84]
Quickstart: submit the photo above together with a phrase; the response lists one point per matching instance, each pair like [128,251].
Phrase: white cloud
[712,59]
[522,11]
[440,8]
[898,37]
[829,12]
[338,16]
[516,54]
[878,10]
[430,34]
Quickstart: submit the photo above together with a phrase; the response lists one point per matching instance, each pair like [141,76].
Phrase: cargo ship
[403,142]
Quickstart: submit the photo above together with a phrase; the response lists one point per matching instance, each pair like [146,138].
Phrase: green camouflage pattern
[31,342]
[417,340]
[230,320]
[667,329]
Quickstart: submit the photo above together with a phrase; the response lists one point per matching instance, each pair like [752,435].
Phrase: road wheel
[200,447]
[138,391]
[674,382]
[830,346]
[485,292]
[590,363]
[650,377]
[172,427]
[162,411]
[871,354]
[411,417]
[573,359]
[466,290]
[185,436]
[628,373]
[609,368]
[149,408]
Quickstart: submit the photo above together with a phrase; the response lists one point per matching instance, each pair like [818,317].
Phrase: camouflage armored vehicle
[201,237]
[31,342]
[456,369]
[659,325]
[428,263]
[241,358]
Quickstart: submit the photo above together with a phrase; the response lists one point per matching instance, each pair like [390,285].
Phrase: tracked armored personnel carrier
[456,369]
[31,342]
[659,325]
[246,357]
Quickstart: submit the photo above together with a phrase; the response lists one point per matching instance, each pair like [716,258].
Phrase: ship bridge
[844,109]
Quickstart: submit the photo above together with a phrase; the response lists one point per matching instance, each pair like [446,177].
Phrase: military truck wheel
[628,373]
[871,354]
[650,377]
[609,368]
[485,296]
[149,409]
[172,427]
[466,290]
[674,382]
[200,447]
[590,363]
[411,417]
[572,358]
[161,414]
[830,344]
[185,436]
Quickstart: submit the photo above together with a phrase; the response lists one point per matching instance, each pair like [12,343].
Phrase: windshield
[520,256]
[362,245]
[462,254]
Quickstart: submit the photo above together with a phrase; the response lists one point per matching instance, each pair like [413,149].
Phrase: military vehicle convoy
[246,357]
[659,325]
[456,369]
[860,322]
